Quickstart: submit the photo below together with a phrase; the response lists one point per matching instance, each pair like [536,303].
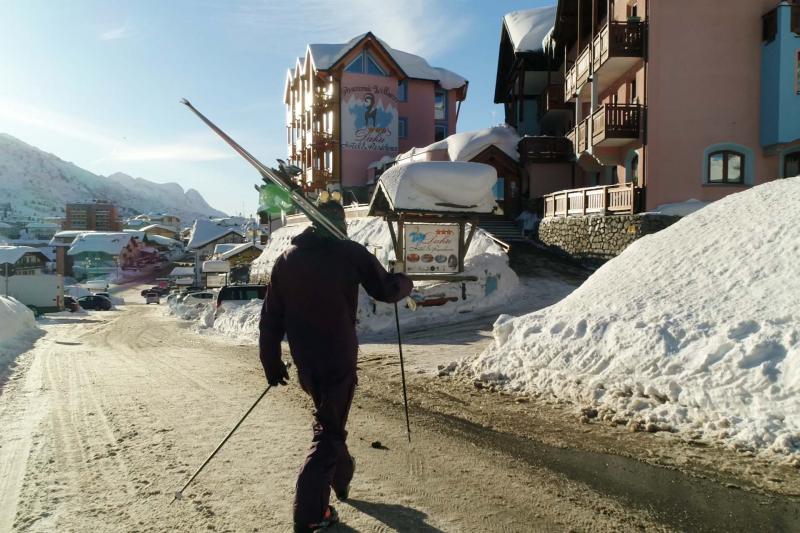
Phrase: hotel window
[725,166]
[365,64]
[791,165]
[439,132]
[402,128]
[440,105]
[402,90]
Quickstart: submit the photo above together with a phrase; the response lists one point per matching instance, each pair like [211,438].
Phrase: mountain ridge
[38,184]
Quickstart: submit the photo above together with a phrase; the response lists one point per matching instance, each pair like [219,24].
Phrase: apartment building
[349,105]
[96,216]
[673,100]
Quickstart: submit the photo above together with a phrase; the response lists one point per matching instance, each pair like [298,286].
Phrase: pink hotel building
[350,105]
[660,101]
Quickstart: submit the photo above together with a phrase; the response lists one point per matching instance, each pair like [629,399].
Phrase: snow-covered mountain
[37,184]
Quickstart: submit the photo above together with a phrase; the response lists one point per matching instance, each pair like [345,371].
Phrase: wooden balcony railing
[578,73]
[619,39]
[544,149]
[613,122]
[603,200]
[570,82]
[320,139]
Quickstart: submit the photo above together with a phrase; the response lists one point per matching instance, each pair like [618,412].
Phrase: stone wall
[594,239]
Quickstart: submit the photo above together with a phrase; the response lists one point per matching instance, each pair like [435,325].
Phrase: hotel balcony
[321,140]
[613,125]
[544,149]
[614,51]
[620,199]
[617,124]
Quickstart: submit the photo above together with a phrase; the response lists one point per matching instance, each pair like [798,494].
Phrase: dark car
[161,291]
[94,302]
[240,294]
[71,304]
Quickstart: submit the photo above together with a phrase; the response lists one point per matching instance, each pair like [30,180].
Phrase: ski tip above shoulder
[184,101]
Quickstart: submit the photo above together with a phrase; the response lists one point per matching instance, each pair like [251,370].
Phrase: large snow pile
[466,145]
[694,328]
[440,186]
[486,260]
[17,329]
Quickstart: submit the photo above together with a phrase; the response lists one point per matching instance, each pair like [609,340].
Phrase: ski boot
[331,517]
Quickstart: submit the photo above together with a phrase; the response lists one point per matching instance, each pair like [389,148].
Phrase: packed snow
[695,328]
[441,186]
[325,56]
[528,28]
[17,330]
[466,145]
[496,285]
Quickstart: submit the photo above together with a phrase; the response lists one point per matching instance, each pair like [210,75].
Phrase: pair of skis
[311,211]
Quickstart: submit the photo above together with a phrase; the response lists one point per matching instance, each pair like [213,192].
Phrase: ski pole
[402,370]
[179,494]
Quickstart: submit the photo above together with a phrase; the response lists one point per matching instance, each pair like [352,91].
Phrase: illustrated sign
[431,248]
[369,114]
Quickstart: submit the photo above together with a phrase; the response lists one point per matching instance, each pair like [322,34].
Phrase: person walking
[312,298]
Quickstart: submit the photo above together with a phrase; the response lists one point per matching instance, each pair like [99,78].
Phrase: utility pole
[5,273]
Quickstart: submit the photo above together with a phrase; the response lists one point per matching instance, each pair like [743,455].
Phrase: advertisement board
[431,248]
[369,113]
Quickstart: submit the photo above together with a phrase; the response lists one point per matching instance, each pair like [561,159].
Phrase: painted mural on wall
[369,114]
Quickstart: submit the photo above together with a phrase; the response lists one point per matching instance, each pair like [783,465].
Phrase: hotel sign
[369,113]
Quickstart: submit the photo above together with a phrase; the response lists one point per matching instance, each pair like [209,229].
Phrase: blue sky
[98,82]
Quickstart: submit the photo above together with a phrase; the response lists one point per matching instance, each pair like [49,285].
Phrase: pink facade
[350,105]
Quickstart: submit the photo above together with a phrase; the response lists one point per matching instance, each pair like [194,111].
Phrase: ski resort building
[652,119]
[103,253]
[207,234]
[351,104]
[95,216]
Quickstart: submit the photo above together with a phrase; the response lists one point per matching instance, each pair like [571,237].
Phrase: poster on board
[431,248]
[369,113]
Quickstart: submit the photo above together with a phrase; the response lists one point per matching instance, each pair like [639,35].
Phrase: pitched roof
[12,254]
[158,226]
[205,231]
[327,56]
[100,242]
[466,145]
[528,28]
[239,248]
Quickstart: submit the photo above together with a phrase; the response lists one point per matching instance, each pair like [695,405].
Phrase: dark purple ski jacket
[312,297]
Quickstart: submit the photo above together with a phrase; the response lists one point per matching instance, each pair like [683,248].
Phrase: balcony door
[791,165]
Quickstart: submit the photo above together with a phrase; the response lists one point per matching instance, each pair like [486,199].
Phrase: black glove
[277,374]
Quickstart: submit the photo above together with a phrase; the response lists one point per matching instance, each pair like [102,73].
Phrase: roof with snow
[12,254]
[327,56]
[528,28]
[99,242]
[159,226]
[237,249]
[435,187]
[466,145]
[164,241]
[43,225]
[179,271]
[206,231]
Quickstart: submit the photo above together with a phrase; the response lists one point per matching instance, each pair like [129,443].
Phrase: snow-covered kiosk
[428,206]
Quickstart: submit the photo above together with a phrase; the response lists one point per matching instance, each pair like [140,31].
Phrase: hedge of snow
[694,328]
[485,260]
[17,328]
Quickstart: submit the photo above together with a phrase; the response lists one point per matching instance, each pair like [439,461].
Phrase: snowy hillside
[38,184]
[695,328]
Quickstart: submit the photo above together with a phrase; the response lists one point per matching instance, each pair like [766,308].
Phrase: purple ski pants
[328,463]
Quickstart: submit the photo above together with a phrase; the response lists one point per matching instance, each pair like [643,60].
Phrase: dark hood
[312,238]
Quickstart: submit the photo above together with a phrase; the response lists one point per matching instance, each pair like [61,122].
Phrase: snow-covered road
[111,412]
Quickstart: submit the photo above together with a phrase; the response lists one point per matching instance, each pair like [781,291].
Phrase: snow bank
[496,284]
[17,330]
[694,328]
[681,209]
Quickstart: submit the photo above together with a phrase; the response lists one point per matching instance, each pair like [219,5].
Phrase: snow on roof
[158,226]
[708,340]
[326,56]
[205,231]
[5,225]
[439,186]
[216,265]
[464,146]
[528,28]
[181,271]
[139,234]
[99,242]
[43,225]
[239,248]
[383,161]
[12,254]
[164,241]
[220,249]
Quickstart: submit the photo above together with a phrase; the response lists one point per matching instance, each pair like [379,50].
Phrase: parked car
[103,294]
[240,294]
[152,297]
[95,302]
[161,291]
[71,304]
[96,284]
[199,298]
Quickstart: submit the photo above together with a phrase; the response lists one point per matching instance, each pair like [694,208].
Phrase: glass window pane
[357,65]
[734,168]
[440,105]
[402,90]
[374,68]
[791,165]
[440,132]
[715,167]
